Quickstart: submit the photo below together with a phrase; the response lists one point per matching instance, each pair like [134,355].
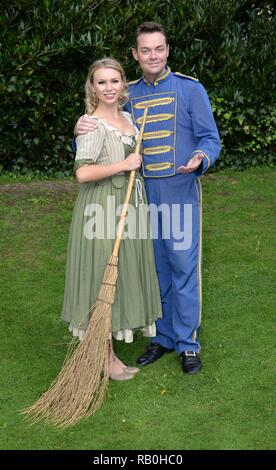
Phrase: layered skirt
[137,302]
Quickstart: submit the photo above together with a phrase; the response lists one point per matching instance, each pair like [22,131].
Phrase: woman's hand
[132,162]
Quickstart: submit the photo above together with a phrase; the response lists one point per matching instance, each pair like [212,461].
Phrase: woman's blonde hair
[91,100]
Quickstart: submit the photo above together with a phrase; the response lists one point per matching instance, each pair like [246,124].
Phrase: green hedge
[47,46]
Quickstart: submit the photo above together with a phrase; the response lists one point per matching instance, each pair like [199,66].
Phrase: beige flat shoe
[120,377]
[131,370]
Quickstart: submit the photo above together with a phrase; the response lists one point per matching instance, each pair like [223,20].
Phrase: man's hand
[192,164]
[84,125]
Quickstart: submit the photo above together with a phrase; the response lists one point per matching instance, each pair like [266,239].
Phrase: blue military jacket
[180,123]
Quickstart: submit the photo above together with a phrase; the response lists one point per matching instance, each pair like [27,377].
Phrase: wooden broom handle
[123,215]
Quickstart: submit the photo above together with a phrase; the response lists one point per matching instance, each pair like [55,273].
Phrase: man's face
[151,53]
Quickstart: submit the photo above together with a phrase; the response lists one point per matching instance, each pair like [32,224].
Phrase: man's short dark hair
[149,27]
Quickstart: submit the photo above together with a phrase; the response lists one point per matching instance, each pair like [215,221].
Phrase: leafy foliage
[47,47]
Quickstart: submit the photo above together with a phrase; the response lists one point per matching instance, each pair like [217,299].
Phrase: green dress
[137,302]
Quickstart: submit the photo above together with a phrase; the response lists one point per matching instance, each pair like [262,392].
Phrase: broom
[81,386]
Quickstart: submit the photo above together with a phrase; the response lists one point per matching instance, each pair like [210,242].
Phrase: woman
[103,161]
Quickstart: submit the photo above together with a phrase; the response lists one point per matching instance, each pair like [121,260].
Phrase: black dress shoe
[153,353]
[191,362]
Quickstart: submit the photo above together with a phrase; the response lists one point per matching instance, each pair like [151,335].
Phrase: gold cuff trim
[156,118]
[206,156]
[154,102]
[157,135]
[158,166]
[158,149]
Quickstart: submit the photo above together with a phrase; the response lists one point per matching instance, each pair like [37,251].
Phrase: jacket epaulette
[134,81]
[181,75]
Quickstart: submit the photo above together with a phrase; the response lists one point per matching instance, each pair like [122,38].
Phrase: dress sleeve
[89,147]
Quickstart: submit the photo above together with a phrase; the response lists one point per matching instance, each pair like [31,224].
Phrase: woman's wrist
[122,166]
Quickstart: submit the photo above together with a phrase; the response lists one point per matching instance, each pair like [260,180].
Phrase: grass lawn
[229,405]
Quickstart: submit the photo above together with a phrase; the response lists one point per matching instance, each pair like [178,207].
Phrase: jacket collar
[163,77]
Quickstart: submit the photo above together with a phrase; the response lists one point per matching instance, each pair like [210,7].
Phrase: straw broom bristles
[81,386]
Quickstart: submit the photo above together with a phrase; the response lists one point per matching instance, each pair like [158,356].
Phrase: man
[181,142]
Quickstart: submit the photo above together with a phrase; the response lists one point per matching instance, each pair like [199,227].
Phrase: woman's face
[107,84]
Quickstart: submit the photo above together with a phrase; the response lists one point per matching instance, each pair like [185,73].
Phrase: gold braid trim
[186,76]
[156,118]
[158,166]
[156,135]
[154,102]
[158,149]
